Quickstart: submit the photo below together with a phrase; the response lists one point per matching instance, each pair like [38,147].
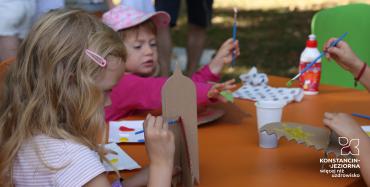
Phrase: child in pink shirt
[138,32]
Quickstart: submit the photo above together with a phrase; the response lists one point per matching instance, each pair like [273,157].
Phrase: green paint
[228,96]
[289,83]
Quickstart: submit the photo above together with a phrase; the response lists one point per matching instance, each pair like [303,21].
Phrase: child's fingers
[150,122]
[227,59]
[328,56]
[165,126]
[219,86]
[228,41]
[230,87]
[328,115]
[328,123]
[226,44]
[235,44]
[237,51]
[334,51]
[146,121]
[341,44]
[327,44]
[222,99]
[229,81]
[159,122]
[213,92]
[156,125]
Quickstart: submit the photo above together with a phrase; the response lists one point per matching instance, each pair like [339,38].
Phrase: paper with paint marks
[126,131]
[121,160]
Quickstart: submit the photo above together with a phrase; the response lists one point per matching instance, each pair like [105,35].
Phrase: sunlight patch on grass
[277,4]
[228,21]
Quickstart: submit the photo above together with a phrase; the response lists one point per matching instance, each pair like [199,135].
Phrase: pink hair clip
[96,58]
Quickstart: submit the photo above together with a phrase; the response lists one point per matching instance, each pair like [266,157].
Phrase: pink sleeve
[205,75]
[135,93]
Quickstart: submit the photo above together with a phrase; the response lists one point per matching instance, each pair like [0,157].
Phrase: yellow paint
[295,133]
[368,133]
[123,140]
[114,161]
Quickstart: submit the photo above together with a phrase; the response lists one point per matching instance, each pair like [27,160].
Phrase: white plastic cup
[268,112]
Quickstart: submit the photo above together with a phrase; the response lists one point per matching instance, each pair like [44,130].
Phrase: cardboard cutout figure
[179,105]
[319,138]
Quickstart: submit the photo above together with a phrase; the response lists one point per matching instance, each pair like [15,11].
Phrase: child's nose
[148,50]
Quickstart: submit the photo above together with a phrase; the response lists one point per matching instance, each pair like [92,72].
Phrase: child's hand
[159,141]
[214,92]
[160,145]
[343,125]
[224,55]
[343,55]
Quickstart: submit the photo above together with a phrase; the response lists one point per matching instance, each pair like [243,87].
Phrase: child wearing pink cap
[136,90]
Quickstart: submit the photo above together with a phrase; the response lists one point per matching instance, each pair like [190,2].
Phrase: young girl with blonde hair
[51,110]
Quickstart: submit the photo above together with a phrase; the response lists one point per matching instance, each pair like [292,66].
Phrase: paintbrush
[361,116]
[334,43]
[234,34]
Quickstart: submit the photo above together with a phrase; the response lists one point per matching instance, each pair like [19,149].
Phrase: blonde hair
[50,89]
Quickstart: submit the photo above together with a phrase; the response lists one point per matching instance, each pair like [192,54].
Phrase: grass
[271,40]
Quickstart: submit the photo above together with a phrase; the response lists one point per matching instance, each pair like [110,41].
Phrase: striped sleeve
[81,165]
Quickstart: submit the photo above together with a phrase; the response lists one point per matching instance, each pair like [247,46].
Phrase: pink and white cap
[123,17]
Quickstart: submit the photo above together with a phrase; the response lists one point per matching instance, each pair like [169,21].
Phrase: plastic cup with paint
[268,112]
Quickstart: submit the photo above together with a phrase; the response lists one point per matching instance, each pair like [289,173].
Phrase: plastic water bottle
[310,80]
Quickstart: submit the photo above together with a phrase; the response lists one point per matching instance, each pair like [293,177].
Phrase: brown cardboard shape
[310,136]
[179,103]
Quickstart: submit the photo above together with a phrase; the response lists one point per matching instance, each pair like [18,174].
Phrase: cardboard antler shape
[319,138]
[179,103]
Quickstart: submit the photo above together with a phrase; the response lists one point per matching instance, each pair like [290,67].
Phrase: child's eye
[137,46]
[153,44]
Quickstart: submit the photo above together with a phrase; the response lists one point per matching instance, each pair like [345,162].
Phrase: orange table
[229,152]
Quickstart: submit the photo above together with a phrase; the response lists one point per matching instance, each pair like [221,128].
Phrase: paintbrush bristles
[235,13]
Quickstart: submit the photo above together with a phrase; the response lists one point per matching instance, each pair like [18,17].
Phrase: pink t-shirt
[70,163]
[134,93]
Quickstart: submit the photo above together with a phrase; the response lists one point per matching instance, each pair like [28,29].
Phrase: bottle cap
[311,42]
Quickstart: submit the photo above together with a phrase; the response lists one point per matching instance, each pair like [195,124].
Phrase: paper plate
[210,114]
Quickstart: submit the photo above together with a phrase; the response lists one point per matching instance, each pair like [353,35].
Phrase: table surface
[229,154]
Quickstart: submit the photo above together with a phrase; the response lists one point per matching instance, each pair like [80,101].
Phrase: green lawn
[270,40]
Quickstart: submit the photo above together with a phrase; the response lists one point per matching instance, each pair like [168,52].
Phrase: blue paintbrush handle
[312,63]
[170,122]
[361,116]
[323,53]
[234,38]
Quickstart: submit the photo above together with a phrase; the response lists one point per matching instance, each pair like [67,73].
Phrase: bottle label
[310,80]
